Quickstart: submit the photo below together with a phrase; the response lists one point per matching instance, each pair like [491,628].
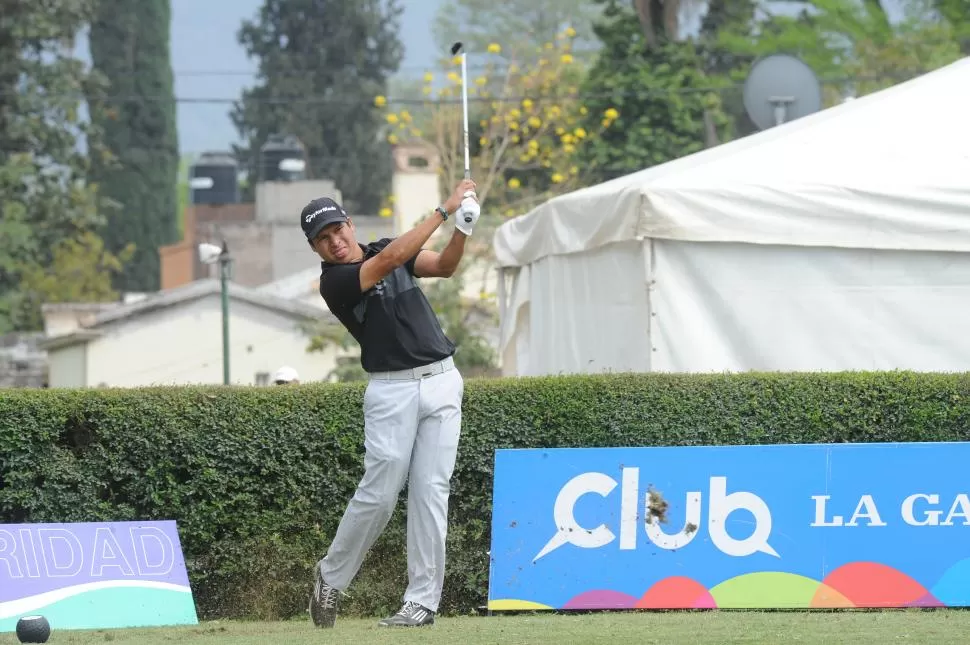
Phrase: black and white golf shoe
[411,615]
[323,602]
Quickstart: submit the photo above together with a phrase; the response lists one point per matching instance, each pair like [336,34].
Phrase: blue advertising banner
[781,526]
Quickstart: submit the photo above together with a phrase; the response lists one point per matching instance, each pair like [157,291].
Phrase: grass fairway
[700,628]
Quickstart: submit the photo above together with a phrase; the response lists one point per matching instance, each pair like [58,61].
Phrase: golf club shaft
[464,107]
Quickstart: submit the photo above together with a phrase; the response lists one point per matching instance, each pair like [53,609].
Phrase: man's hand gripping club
[468,213]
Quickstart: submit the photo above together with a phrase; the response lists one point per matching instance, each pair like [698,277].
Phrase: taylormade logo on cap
[313,215]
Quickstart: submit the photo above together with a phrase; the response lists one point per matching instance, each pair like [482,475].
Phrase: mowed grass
[694,628]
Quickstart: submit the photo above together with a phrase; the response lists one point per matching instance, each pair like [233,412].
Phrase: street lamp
[210,254]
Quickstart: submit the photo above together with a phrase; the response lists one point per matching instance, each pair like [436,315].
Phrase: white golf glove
[468,214]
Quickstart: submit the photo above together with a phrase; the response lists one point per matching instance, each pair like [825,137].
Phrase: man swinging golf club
[412,403]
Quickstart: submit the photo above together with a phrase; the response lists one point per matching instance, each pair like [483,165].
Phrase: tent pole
[648,274]
[500,292]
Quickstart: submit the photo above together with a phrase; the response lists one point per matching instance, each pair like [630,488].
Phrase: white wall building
[175,338]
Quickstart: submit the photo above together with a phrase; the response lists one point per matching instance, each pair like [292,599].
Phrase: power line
[497,63]
[330,100]
[301,73]
[322,162]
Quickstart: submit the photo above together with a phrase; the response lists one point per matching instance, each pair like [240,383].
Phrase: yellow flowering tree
[524,130]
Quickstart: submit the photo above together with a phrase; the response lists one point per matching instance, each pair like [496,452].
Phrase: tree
[667,104]
[736,17]
[956,13]
[851,46]
[822,34]
[321,62]
[80,271]
[44,196]
[130,46]
[659,20]
[913,48]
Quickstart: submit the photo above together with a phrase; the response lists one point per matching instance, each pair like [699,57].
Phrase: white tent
[837,241]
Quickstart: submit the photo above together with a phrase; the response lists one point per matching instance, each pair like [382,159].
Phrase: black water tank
[214,179]
[276,149]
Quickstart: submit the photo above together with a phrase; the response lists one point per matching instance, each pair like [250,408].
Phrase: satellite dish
[781,88]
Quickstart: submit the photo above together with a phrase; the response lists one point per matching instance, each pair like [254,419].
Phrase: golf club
[457,47]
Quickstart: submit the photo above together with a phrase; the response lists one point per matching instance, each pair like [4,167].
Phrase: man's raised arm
[409,244]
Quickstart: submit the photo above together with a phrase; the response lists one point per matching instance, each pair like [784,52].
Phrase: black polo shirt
[393,321]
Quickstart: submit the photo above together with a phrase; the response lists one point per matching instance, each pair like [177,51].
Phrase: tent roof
[888,170]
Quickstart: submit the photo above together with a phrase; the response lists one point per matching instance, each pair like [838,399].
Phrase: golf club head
[455,48]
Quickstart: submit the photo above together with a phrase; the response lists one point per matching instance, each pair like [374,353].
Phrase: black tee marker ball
[33,629]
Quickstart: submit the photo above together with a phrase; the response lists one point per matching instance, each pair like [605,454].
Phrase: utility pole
[210,254]
[225,274]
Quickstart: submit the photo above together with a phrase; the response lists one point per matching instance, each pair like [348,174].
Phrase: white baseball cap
[285,374]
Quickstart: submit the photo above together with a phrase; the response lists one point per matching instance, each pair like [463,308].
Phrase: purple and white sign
[94,575]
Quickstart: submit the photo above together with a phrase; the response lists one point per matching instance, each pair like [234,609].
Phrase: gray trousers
[411,431]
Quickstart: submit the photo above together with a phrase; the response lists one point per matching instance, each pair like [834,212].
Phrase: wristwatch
[444,213]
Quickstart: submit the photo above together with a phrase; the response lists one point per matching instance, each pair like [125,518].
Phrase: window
[262,378]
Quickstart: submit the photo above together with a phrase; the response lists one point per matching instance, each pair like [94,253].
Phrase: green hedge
[259,477]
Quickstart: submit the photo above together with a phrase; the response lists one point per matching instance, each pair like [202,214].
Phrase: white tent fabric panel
[580,314]
[738,307]
[888,170]
[897,215]
[604,217]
